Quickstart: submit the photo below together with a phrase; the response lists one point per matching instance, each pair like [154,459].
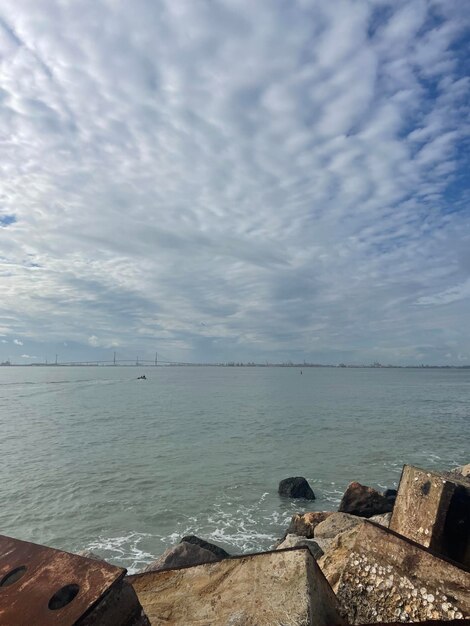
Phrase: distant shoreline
[230,364]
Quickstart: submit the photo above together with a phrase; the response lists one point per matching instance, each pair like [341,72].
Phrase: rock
[463,470]
[335,524]
[294,541]
[217,550]
[388,578]
[281,587]
[390,494]
[364,501]
[296,487]
[336,555]
[181,555]
[304,524]
[383,520]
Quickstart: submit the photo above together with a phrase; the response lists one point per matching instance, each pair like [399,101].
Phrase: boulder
[212,547]
[304,524]
[181,555]
[364,501]
[463,470]
[390,494]
[383,520]
[335,524]
[294,541]
[296,487]
[281,587]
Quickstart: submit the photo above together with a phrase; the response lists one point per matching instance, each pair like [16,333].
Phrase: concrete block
[434,510]
[388,578]
[284,587]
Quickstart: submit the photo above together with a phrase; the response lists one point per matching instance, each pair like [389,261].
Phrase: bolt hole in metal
[13,576]
[63,597]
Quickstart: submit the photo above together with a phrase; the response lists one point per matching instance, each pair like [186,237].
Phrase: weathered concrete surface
[433,622]
[304,524]
[281,588]
[336,524]
[336,555]
[434,510]
[389,578]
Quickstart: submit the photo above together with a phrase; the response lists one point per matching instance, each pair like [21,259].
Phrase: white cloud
[18,342]
[288,173]
[454,294]
[93,341]
[28,356]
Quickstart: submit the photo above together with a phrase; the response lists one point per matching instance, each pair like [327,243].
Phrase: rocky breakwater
[382,558]
[395,556]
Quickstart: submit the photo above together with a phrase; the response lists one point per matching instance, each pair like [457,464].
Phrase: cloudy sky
[235,180]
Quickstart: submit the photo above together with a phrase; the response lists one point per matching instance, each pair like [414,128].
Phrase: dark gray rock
[390,494]
[294,541]
[364,501]
[202,543]
[182,555]
[296,487]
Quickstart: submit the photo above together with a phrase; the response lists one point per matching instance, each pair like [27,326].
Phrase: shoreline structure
[397,556]
[151,364]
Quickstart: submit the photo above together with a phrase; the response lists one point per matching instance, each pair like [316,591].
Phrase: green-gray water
[93,458]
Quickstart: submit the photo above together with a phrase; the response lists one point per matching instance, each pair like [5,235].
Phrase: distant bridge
[128,362]
[137,362]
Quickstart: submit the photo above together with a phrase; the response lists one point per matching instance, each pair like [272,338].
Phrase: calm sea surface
[93,458]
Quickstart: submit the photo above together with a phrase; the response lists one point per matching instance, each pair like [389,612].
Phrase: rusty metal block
[43,586]
[389,578]
[434,510]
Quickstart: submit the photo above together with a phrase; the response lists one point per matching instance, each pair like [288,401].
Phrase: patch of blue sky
[7,220]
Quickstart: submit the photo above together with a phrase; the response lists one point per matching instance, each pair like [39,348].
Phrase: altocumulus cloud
[236,179]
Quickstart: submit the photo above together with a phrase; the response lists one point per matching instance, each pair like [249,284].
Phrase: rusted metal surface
[43,586]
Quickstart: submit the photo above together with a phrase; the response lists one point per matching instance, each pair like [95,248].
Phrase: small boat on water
[143,377]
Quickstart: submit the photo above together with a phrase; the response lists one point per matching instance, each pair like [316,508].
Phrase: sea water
[92,458]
